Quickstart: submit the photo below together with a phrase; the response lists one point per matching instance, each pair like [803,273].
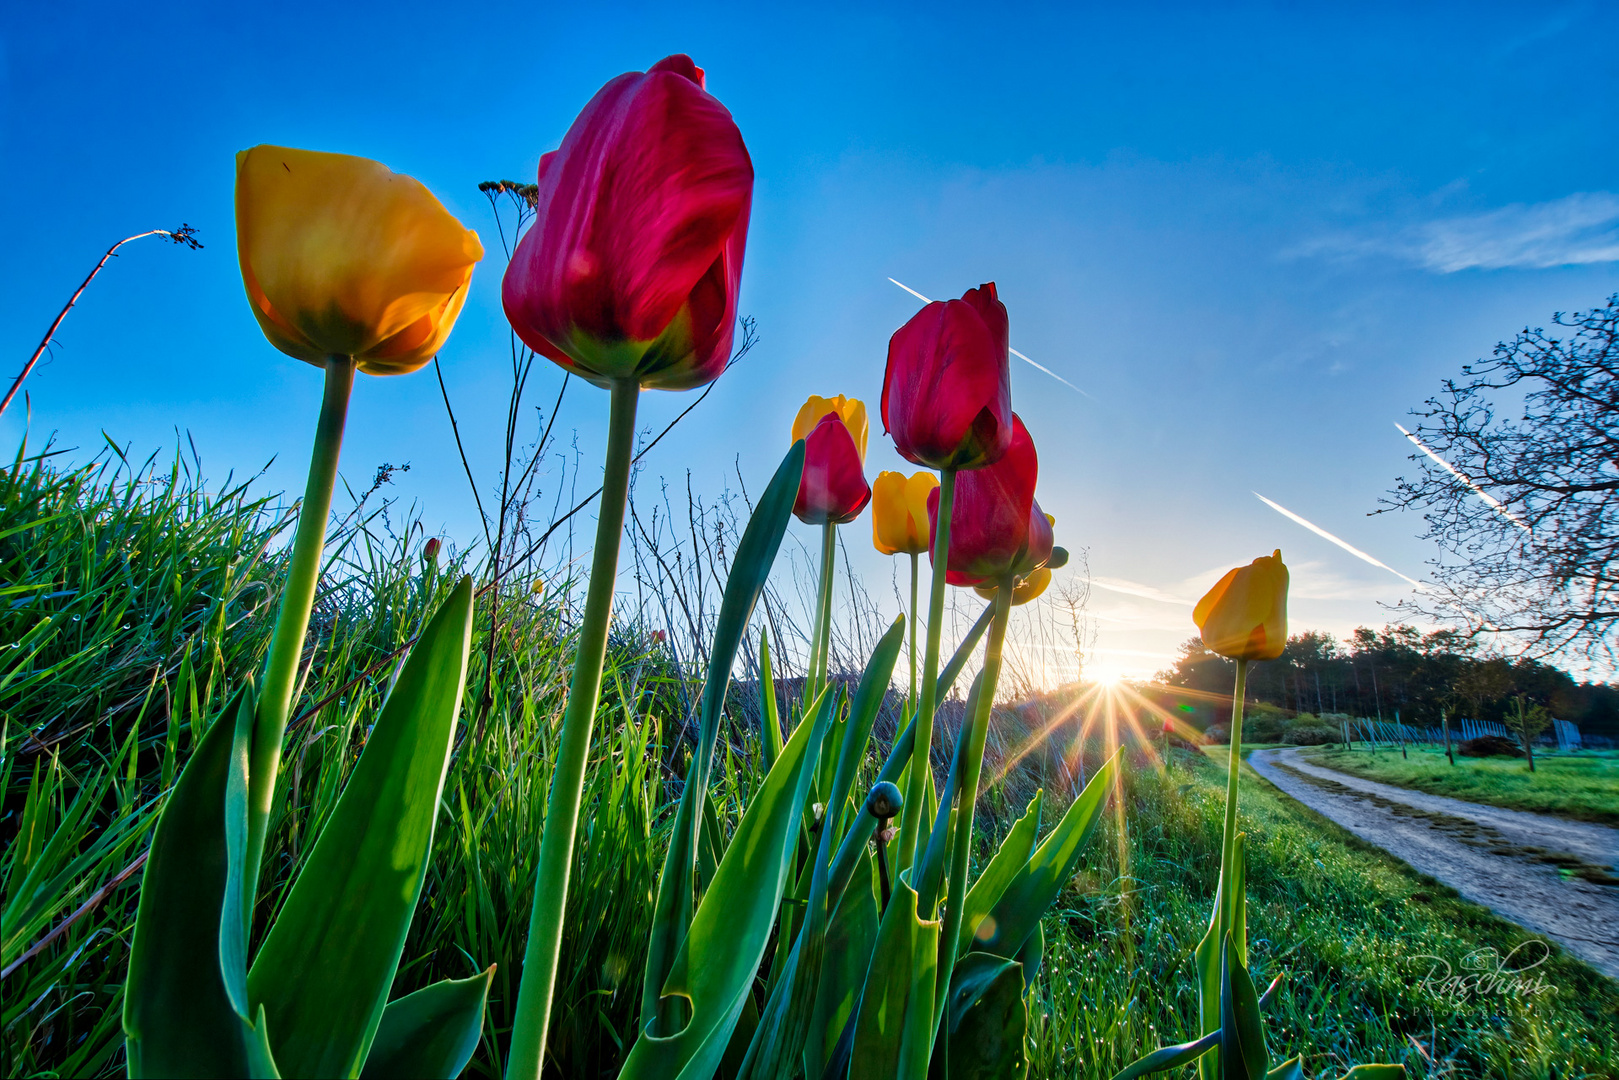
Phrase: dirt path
[1547,874]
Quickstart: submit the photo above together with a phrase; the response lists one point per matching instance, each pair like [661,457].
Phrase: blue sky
[1256,234]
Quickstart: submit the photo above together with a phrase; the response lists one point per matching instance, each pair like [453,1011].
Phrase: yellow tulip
[852,411]
[899,512]
[341,256]
[1245,615]
[1027,588]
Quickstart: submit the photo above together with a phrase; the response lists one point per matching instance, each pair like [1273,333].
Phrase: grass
[1583,786]
[137,599]
[1354,932]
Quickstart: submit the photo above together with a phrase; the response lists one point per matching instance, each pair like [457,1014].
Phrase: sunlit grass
[1583,786]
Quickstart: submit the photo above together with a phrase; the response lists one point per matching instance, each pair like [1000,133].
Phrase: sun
[1105,675]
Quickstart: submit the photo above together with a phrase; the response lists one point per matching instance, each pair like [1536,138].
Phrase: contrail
[1325,535]
[1014,352]
[1491,500]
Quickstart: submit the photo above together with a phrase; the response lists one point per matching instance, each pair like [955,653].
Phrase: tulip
[947,392]
[1245,615]
[999,528]
[833,489]
[631,268]
[627,277]
[899,512]
[947,401]
[346,265]
[341,256]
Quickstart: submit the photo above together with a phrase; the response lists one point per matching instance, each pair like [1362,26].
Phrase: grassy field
[136,607]
[1584,786]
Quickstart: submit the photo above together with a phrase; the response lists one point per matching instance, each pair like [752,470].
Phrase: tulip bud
[430,550]
[947,390]
[833,487]
[885,801]
[632,265]
[1245,615]
[343,257]
[899,512]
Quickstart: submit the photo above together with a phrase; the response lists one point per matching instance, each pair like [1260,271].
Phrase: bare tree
[1519,462]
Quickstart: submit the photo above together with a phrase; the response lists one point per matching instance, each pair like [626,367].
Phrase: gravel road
[1547,874]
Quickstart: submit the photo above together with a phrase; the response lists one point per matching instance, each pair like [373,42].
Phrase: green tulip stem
[297,601]
[1228,844]
[910,700]
[532,1018]
[962,841]
[921,771]
[821,646]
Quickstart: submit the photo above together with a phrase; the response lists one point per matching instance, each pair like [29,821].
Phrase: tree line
[1397,671]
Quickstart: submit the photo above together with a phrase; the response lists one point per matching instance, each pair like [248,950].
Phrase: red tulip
[834,487]
[947,393]
[630,269]
[996,527]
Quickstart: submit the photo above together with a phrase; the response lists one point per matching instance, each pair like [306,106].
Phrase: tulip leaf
[1291,1069]
[432,1033]
[178,1017]
[1168,1057]
[1207,955]
[985,1019]
[712,974]
[1032,953]
[849,944]
[325,969]
[893,1037]
[1032,891]
[755,555]
[1008,862]
[1242,1036]
[784,1025]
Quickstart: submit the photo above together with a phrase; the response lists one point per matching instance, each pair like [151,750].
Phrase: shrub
[1312,735]
[1489,746]
[1217,734]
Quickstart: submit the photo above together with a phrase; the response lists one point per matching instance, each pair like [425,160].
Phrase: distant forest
[1381,673]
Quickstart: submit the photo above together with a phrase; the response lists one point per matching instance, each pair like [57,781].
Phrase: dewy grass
[1365,935]
[98,719]
[1582,786]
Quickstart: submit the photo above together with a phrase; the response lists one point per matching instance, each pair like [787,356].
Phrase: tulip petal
[992,526]
[341,255]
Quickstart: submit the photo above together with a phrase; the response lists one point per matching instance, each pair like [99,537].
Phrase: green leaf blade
[326,967]
[430,1034]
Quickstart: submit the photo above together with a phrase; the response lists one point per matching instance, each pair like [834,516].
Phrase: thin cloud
[1134,588]
[1489,500]
[1575,230]
[1325,535]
